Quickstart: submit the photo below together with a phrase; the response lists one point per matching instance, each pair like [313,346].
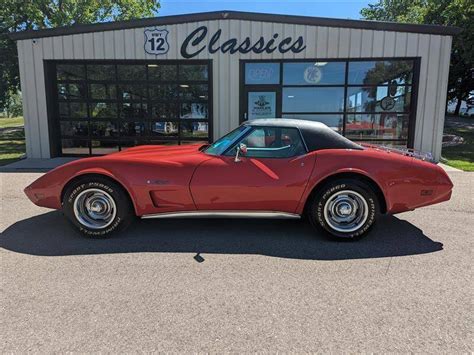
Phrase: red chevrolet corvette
[264,168]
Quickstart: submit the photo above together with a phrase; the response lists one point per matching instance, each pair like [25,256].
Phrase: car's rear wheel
[344,209]
[97,206]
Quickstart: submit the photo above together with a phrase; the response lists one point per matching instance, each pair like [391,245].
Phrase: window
[333,121]
[164,129]
[75,146]
[101,107]
[100,72]
[272,142]
[193,92]
[70,72]
[71,91]
[162,72]
[132,92]
[262,73]
[103,110]
[75,129]
[193,72]
[223,143]
[131,72]
[196,129]
[312,73]
[381,72]
[313,99]
[390,126]
[365,100]
[100,91]
[194,110]
[378,99]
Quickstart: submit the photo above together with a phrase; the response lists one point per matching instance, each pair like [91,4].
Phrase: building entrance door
[262,103]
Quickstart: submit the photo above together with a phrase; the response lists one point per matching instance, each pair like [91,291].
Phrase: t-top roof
[287,122]
[317,135]
[236,15]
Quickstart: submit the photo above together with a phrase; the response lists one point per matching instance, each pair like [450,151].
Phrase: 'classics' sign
[195,43]
[198,41]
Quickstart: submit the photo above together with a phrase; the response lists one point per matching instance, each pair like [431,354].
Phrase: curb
[448,168]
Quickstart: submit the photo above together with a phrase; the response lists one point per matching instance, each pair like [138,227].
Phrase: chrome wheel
[95,209]
[346,211]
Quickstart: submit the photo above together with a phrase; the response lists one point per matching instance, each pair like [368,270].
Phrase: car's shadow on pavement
[50,234]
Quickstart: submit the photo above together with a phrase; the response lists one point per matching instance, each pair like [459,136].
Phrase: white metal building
[94,89]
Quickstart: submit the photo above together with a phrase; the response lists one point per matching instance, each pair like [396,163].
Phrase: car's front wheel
[344,208]
[97,206]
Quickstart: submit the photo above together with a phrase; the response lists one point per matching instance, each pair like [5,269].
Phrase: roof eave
[236,15]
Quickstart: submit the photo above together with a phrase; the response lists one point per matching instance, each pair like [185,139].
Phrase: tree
[19,15]
[13,106]
[458,13]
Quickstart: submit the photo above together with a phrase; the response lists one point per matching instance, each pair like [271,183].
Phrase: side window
[273,142]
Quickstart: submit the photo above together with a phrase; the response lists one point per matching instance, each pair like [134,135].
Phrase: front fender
[104,172]
[48,189]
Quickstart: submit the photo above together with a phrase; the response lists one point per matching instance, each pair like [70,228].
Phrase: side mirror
[241,148]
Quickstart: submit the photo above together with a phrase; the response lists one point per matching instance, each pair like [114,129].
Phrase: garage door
[101,107]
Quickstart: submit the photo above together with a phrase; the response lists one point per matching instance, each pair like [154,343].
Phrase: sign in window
[261,104]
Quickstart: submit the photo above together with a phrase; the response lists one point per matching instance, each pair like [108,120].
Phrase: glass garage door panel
[365,100]
[262,73]
[314,73]
[378,99]
[301,100]
[105,107]
[399,72]
[389,126]
[332,120]
[75,146]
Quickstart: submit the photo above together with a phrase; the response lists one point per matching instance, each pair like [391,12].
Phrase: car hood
[188,155]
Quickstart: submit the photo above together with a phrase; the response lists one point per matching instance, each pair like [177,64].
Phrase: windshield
[221,145]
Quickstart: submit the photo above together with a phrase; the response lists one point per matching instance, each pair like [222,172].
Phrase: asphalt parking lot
[237,285]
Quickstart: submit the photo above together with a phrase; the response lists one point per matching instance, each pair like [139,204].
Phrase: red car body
[163,179]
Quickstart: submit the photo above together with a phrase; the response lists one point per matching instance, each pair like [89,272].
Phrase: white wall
[321,42]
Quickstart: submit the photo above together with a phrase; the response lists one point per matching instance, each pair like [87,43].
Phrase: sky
[348,9]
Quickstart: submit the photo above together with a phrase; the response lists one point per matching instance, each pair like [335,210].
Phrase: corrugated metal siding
[321,42]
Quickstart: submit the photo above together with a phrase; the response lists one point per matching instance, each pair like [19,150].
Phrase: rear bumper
[422,196]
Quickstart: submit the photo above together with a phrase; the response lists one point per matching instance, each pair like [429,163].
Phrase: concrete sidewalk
[35,165]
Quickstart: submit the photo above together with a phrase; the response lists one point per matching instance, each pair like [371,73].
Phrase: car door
[271,176]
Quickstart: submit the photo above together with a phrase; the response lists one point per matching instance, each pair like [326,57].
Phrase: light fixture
[291,96]
[152,65]
[184,86]
[320,64]
[202,96]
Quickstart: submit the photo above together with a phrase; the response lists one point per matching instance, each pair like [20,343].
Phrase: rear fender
[319,175]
